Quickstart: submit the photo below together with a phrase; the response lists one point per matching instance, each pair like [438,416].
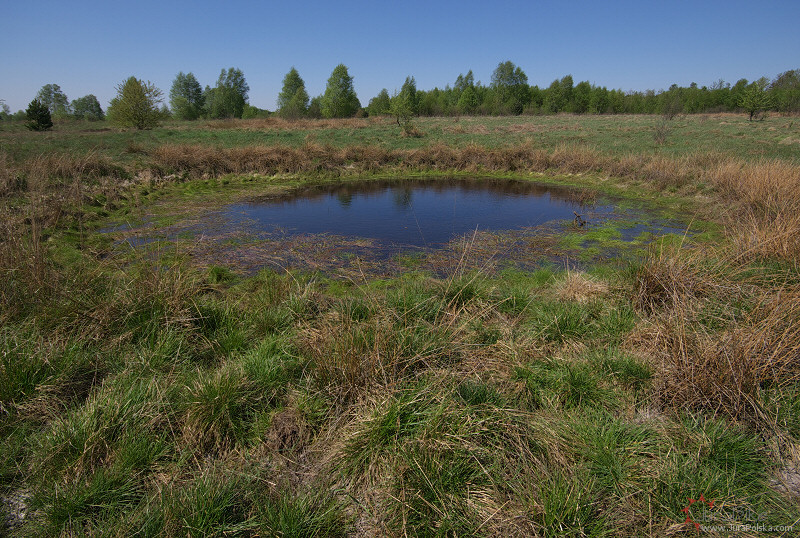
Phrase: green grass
[142,393]
[727,134]
[550,446]
[303,516]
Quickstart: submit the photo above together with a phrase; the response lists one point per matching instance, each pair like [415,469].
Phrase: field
[144,393]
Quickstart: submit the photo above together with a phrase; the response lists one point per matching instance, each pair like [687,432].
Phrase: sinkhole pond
[387,226]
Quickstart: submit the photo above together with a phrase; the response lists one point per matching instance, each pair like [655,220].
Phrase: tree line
[140,104]
[228,99]
[510,94]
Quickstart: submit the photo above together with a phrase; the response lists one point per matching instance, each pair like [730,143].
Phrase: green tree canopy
[186,97]
[380,103]
[464,81]
[405,104]
[228,97]
[293,99]
[251,112]
[510,84]
[581,97]
[315,107]
[755,98]
[785,91]
[136,104]
[469,101]
[559,95]
[38,116]
[87,107]
[340,100]
[408,92]
[51,96]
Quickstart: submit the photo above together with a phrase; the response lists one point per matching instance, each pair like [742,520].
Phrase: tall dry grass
[285,124]
[313,157]
[719,338]
[10,179]
[71,166]
[767,224]
[27,274]
[751,182]
[51,171]
[202,160]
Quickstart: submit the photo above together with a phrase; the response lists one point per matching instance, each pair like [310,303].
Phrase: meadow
[145,394]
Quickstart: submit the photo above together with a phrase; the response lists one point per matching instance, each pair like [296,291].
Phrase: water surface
[419,213]
[379,225]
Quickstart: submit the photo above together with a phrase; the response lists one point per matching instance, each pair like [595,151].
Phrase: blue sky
[91,46]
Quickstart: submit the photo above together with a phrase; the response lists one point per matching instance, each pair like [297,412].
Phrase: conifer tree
[38,115]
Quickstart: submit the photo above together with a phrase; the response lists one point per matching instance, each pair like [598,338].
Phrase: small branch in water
[579,220]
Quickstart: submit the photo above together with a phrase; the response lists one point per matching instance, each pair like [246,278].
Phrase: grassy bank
[143,395]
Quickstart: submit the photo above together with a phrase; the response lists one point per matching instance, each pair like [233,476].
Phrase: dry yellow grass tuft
[581,288]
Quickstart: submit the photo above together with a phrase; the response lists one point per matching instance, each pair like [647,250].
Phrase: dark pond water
[419,213]
[388,226]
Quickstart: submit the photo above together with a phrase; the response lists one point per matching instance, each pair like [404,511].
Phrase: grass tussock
[28,275]
[722,340]
[371,343]
[582,288]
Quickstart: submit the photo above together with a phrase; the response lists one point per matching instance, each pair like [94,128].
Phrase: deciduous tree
[404,105]
[87,107]
[379,104]
[186,97]
[51,96]
[468,102]
[755,98]
[293,99]
[340,100]
[785,91]
[228,97]
[510,84]
[464,81]
[559,95]
[315,107]
[136,104]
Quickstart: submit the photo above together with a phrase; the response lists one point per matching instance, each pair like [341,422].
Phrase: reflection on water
[381,227]
[408,212]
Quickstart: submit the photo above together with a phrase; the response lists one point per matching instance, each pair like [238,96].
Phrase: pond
[415,213]
[390,225]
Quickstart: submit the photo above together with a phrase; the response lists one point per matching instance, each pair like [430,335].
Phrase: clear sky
[91,46]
